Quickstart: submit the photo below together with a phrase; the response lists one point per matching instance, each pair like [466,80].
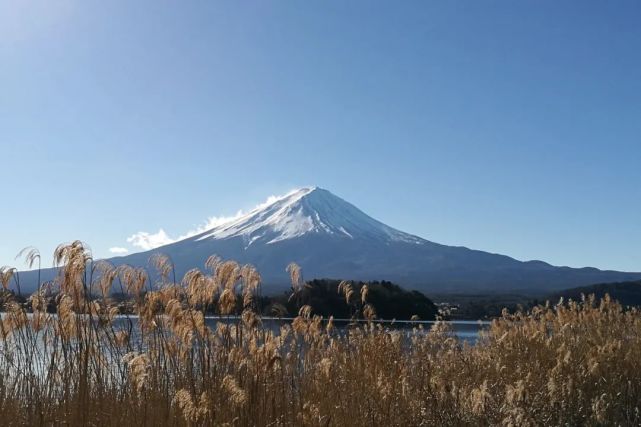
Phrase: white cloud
[118,250]
[147,241]
[212,221]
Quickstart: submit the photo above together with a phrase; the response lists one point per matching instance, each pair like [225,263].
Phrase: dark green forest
[388,299]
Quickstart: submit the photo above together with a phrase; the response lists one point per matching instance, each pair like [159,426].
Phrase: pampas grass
[573,363]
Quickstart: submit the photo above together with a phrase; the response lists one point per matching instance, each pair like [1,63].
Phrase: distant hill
[389,300]
[329,237]
[627,293]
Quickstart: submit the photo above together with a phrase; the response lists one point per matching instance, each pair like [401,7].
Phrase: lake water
[467,330]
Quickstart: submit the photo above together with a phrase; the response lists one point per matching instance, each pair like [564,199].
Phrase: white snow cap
[310,210]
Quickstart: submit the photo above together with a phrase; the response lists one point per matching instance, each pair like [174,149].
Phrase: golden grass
[570,364]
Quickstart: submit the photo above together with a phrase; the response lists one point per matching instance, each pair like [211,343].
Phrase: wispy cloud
[212,221]
[146,241]
[118,250]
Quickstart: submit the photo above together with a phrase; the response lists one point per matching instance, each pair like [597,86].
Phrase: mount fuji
[331,238]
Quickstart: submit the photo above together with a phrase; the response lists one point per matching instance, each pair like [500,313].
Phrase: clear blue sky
[508,126]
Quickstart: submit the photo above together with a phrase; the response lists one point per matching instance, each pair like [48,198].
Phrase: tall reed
[573,363]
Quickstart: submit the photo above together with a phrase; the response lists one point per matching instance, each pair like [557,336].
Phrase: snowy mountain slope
[329,237]
[306,211]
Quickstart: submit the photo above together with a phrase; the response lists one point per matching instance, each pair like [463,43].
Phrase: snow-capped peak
[310,210]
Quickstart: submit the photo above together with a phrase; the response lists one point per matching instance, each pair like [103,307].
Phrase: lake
[467,330]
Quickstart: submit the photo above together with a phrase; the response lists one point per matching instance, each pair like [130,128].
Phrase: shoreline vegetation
[392,302]
[573,363]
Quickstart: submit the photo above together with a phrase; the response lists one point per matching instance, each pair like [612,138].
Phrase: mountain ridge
[333,239]
[306,210]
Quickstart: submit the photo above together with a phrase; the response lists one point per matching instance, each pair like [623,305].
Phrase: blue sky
[507,126]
